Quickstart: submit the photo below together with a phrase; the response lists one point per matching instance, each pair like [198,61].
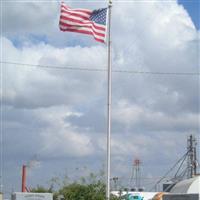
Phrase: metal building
[181,197]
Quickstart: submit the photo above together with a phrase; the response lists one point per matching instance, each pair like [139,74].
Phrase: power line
[74,68]
[55,67]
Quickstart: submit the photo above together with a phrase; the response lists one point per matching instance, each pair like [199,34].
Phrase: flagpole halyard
[109,100]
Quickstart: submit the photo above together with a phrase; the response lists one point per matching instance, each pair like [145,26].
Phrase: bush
[87,188]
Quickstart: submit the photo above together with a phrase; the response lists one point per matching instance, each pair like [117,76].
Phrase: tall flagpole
[109,96]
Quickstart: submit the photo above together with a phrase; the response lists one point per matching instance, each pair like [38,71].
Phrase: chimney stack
[24,178]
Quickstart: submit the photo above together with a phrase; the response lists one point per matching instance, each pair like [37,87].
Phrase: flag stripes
[81,21]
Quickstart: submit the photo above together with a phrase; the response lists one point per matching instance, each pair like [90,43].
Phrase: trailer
[31,196]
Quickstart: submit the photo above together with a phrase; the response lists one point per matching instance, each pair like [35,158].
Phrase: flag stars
[99,16]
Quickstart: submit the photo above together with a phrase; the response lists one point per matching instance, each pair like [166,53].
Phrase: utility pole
[192,158]
[115,180]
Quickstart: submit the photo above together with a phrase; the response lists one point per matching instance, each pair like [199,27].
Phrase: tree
[91,187]
[41,189]
[94,191]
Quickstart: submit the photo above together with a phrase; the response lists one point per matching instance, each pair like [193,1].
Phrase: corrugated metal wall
[181,197]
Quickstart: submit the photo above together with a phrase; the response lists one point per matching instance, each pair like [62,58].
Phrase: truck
[31,196]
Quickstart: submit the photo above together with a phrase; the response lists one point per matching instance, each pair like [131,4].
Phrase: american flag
[84,21]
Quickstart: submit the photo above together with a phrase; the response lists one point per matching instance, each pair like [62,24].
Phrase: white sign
[31,196]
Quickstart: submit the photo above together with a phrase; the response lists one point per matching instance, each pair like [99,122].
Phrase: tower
[136,174]
[192,157]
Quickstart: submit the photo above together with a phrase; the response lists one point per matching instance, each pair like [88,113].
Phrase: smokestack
[24,178]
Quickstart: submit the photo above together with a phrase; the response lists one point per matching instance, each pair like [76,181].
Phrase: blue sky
[193,8]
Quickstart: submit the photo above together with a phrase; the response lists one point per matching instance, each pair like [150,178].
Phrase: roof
[188,186]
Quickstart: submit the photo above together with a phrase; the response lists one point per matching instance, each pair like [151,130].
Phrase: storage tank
[31,196]
[188,186]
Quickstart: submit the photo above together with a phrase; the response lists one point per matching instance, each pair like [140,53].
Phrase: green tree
[94,191]
[91,187]
[41,189]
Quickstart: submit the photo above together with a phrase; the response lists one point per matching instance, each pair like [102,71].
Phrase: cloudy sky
[58,116]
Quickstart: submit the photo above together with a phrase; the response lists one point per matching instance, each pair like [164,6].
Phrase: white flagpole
[109,103]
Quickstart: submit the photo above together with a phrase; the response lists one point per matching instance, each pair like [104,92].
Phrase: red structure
[137,172]
[137,162]
[24,178]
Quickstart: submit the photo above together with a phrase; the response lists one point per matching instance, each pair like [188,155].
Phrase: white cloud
[61,141]
[66,109]
[26,17]
[39,87]
[126,113]
[60,138]
[132,115]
